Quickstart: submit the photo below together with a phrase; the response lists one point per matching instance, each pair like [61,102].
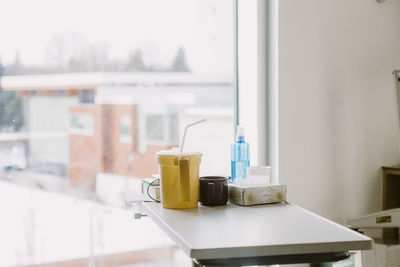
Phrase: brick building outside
[83,124]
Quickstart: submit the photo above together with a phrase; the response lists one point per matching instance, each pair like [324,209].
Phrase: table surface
[265,230]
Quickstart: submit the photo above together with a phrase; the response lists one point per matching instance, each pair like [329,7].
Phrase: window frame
[256,96]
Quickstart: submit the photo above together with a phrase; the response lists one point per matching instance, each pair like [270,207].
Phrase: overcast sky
[159,27]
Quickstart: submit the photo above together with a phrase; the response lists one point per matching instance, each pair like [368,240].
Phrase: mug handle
[184,182]
[210,192]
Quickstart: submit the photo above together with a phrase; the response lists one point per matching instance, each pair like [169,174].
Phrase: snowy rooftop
[91,80]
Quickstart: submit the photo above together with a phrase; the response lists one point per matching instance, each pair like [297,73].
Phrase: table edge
[256,251]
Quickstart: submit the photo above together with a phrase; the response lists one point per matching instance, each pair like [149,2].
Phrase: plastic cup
[179,178]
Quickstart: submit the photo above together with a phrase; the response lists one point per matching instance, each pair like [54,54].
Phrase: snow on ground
[38,226]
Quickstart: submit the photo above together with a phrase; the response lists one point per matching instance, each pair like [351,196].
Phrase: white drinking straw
[184,134]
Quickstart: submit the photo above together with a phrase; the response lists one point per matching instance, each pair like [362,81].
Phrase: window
[86,96]
[90,91]
[81,124]
[125,134]
[257,78]
[155,128]
[173,128]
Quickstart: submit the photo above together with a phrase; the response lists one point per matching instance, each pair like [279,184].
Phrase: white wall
[337,112]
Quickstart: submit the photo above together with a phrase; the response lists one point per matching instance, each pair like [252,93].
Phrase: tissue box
[246,195]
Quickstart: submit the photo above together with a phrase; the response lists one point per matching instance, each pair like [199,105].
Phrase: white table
[264,234]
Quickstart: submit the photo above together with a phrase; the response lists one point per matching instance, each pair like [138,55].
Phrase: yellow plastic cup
[179,179]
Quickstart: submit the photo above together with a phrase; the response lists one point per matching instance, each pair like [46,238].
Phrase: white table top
[266,230]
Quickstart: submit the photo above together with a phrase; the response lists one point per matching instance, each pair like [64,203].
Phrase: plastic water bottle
[240,157]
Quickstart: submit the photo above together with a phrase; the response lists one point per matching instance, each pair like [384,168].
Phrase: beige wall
[337,116]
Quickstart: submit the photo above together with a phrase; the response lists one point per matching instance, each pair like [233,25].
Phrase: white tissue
[253,180]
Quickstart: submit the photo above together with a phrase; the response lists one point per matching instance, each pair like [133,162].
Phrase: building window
[173,128]
[155,128]
[81,124]
[125,132]
[86,96]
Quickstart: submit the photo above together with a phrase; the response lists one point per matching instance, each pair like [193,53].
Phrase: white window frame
[257,79]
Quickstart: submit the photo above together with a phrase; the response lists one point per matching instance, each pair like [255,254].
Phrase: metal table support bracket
[281,259]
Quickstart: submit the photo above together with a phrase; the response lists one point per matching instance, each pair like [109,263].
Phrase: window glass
[173,128]
[81,124]
[90,90]
[155,128]
[86,96]
[125,129]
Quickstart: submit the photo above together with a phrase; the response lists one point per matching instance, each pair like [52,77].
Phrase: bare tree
[64,48]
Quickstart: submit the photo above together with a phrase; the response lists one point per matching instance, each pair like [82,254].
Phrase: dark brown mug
[213,190]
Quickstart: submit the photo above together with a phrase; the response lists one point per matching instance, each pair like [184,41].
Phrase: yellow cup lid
[176,153]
